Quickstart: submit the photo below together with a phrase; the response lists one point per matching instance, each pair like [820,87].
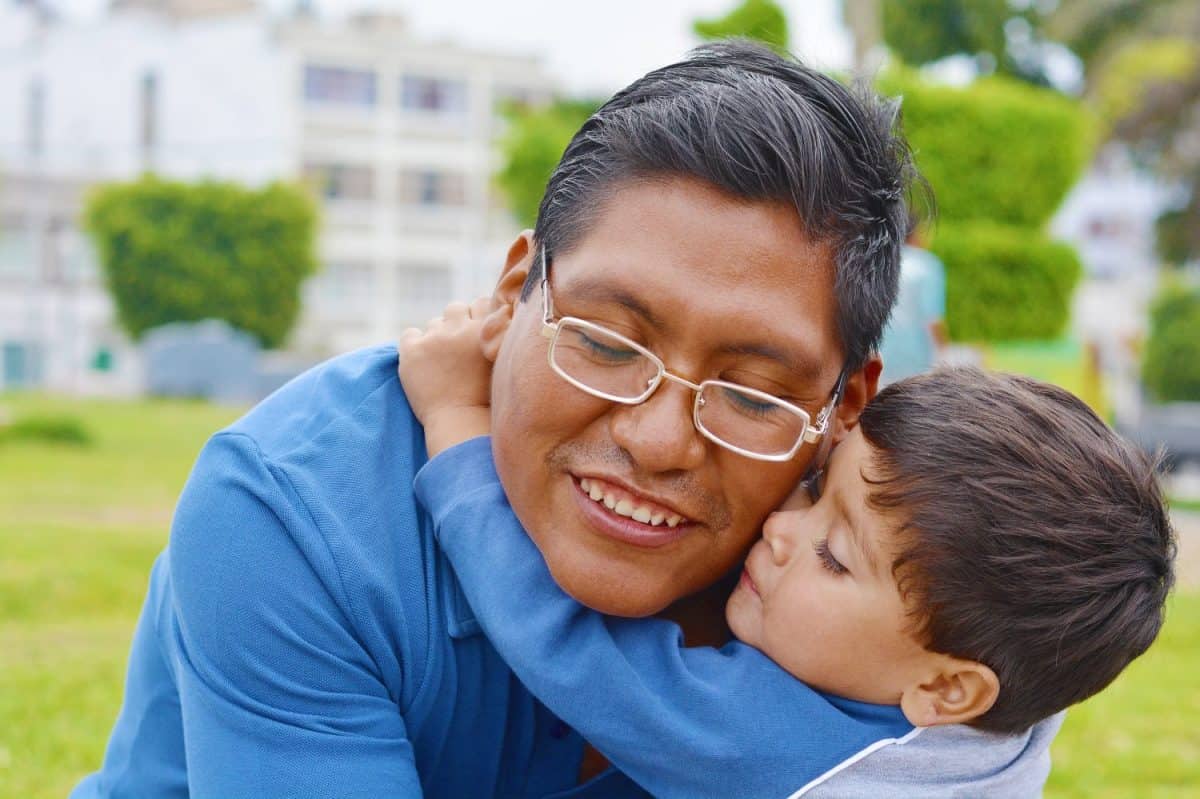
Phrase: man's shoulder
[317,480]
[353,399]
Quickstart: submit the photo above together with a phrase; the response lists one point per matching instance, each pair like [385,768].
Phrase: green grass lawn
[79,529]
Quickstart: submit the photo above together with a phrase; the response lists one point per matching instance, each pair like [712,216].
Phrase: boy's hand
[446,377]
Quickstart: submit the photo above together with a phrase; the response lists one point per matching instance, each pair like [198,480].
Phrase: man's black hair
[759,126]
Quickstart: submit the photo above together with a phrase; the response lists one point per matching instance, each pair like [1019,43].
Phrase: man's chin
[613,594]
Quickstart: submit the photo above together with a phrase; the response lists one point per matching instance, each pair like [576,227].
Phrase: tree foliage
[921,31]
[1001,36]
[174,251]
[763,20]
[532,147]
[1171,363]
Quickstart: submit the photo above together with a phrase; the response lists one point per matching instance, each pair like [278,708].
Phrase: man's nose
[659,433]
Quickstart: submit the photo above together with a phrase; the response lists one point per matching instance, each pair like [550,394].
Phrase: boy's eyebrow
[860,539]
[868,554]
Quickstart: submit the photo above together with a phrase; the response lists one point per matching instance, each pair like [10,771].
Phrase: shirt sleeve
[278,696]
[679,721]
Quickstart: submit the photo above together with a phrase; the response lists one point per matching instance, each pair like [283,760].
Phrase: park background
[200,198]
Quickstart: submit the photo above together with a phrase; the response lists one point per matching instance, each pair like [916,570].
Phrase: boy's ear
[861,387]
[958,692]
[507,294]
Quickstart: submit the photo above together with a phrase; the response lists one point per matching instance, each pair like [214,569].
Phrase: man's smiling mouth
[622,503]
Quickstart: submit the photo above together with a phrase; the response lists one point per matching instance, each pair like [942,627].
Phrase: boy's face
[818,595]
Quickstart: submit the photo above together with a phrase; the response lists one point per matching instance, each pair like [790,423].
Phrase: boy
[983,551]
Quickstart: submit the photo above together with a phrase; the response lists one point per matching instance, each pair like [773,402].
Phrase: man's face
[717,288]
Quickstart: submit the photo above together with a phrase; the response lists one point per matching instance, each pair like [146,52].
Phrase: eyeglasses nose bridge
[665,375]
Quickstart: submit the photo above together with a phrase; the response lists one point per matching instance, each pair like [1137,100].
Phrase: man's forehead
[699,264]
[792,340]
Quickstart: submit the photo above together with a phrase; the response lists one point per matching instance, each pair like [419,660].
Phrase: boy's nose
[777,533]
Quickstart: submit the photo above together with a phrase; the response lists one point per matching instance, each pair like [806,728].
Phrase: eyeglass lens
[605,364]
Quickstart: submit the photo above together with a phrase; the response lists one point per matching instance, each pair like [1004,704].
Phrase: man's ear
[861,387]
[507,294]
[958,691]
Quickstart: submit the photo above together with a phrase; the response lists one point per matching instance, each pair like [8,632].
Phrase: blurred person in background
[739,217]
[915,337]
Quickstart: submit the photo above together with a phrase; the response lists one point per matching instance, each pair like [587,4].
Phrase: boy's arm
[680,722]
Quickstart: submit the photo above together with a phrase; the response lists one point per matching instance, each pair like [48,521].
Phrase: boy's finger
[482,306]
[456,312]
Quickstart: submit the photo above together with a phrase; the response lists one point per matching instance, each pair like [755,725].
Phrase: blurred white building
[1109,216]
[396,135]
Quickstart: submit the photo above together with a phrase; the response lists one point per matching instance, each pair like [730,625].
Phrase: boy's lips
[748,581]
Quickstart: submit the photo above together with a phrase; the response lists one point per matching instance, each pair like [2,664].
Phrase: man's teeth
[625,507]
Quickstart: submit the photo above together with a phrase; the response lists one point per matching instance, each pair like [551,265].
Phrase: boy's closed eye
[828,560]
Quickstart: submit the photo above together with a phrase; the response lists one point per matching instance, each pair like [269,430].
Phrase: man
[737,215]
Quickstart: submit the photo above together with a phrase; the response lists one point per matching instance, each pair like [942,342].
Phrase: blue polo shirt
[303,634]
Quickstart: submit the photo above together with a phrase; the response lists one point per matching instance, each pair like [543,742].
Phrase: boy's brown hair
[1031,537]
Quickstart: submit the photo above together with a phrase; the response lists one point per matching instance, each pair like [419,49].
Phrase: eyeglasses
[610,366]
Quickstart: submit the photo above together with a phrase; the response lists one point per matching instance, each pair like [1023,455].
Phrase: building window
[506,97]
[148,122]
[432,189]
[19,249]
[343,287]
[79,260]
[341,181]
[339,86]
[438,95]
[21,365]
[424,284]
[35,99]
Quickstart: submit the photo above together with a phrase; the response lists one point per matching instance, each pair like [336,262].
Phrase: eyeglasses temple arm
[835,399]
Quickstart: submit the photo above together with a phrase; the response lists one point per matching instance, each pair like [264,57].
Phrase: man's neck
[702,615]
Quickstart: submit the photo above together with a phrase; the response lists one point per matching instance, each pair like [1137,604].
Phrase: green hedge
[998,150]
[1171,363]
[1005,283]
[177,252]
[47,429]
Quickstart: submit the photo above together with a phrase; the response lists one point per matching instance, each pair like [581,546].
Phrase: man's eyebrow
[600,291]
[804,365]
